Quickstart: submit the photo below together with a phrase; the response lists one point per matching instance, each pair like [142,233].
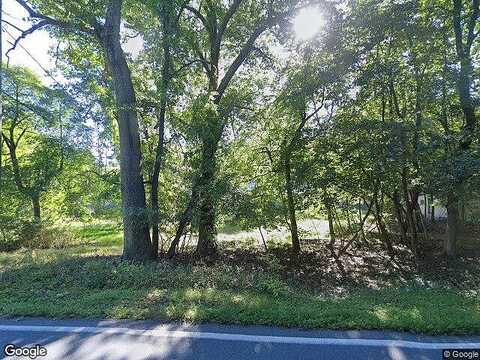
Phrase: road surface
[85,339]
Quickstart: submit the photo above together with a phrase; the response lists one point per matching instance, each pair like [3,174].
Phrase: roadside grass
[90,281]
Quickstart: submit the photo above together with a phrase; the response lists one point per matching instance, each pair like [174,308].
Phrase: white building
[431,208]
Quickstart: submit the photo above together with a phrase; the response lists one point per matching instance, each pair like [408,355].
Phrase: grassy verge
[89,281]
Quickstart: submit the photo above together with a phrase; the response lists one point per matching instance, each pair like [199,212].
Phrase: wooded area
[230,117]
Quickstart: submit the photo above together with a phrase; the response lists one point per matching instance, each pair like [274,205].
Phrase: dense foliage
[225,117]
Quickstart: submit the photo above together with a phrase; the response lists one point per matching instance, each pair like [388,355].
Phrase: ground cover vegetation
[234,169]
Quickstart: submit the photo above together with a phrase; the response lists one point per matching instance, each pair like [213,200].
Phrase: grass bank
[89,281]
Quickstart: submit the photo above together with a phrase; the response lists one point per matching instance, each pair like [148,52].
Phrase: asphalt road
[79,339]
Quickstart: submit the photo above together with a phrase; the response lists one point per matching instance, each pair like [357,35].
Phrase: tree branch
[457,27]
[242,55]
[471,25]
[25,33]
[223,25]
[186,65]
[45,21]
[197,14]
[113,18]
[12,25]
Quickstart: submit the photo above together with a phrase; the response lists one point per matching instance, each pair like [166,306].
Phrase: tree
[219,25]
[33,134]
[73,18]
[465,35]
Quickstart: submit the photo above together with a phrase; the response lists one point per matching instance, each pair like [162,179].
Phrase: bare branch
[27,32]
[263,54]
[318,108]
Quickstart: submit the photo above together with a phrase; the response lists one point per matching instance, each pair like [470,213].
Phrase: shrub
[54,238]
[34,235]
[10,239]
[9,242]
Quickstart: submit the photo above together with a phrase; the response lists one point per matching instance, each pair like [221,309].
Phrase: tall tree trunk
[216,28]
[207,245]
[464,88]
[420,219]
[291,206]
[168,29]
[154,184]
[137,244]
[288,148]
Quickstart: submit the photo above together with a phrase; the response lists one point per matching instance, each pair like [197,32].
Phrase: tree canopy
[227,116]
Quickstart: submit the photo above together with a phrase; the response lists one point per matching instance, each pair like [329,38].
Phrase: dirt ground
[367,265]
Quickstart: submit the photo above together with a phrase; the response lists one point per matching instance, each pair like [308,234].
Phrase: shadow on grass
[105,287]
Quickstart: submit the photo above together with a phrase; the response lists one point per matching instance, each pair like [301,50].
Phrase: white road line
[159,332]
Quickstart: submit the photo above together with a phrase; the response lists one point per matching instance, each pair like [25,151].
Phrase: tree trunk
[382,230]
[432,209]
[155,211]
[168,25]
[155,177]
[263,238]
[216,30]
[331,226]
[184,221]
[1,99]
[420,219]
[399,214]
[464,88]
[137,244]
[452,226]
[291,207]
[206,245]
[36,208]
[411,219]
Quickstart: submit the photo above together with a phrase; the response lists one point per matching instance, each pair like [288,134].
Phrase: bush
[10,239]
[34,235]
[44,236]
[9,242]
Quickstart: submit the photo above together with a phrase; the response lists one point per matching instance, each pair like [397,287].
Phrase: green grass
[87,281]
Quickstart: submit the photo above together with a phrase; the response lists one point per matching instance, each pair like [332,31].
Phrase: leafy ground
[247,286]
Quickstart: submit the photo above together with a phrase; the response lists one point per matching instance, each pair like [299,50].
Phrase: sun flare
[308,23]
